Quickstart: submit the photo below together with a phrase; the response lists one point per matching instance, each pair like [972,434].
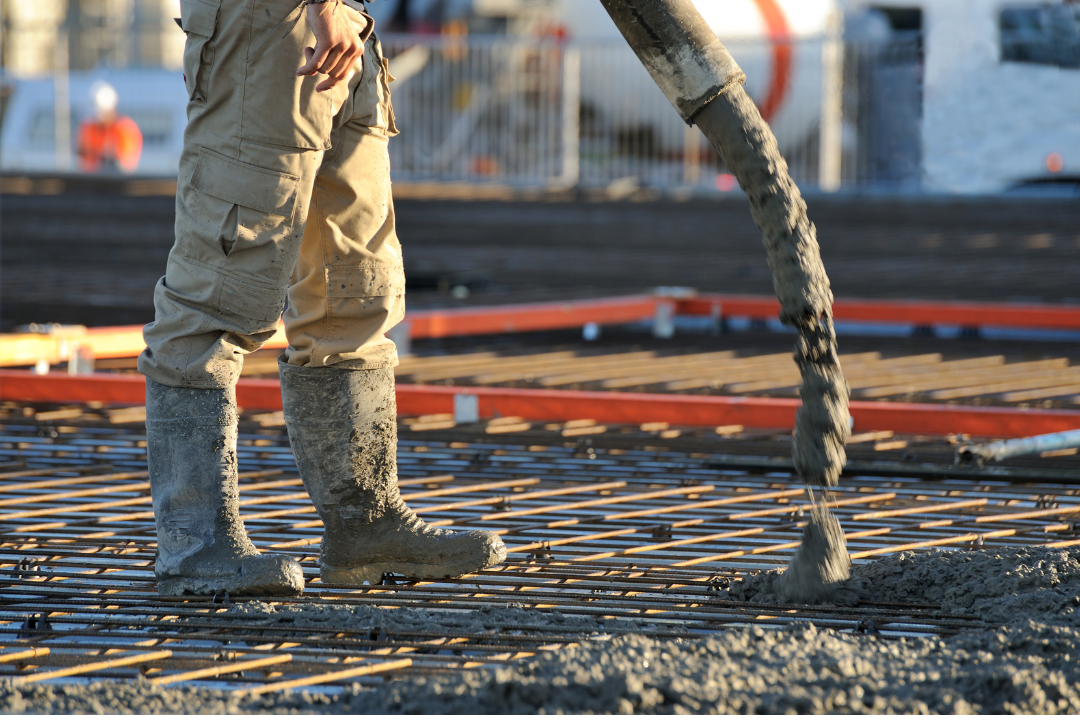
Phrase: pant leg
[348,285]
[255,138]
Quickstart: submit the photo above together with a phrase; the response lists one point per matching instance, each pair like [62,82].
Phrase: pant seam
[244,85]
[316,214]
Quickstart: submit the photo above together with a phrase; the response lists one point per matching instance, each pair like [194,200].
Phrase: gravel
[1031,668]
[1026,660]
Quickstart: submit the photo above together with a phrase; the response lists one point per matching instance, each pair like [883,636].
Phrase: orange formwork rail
[126,341]
[604,407]
[532,317]
[915,312]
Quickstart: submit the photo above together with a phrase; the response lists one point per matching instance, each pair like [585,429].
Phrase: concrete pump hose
[704,83]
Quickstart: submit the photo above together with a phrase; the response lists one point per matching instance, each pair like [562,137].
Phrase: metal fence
[500,110]
[530,112]
[883,112]
[535,113]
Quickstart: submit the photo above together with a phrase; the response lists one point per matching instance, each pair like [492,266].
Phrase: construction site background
[889,95]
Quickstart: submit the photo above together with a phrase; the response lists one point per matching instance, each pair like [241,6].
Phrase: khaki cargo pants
[282,191]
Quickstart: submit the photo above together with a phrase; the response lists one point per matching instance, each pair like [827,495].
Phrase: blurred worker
[284,189]
[108,141]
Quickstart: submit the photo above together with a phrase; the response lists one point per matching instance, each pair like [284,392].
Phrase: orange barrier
[126,341]
[604,407]
[915,312]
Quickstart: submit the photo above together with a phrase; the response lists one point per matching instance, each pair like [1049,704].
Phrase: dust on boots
[202,546]
[342,425]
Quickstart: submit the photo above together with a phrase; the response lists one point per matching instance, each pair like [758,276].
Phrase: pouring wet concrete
[1025,660]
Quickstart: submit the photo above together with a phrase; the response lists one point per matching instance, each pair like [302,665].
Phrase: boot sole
[373,573]
[289,583]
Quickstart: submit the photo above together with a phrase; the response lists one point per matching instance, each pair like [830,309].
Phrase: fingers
[345,64]
[341,70]
[320,64]
[332,60]
[333,81]
[315,58]
[337,62]
[336,46]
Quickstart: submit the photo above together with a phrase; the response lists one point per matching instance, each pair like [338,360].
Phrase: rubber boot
[342,424]
[203,548]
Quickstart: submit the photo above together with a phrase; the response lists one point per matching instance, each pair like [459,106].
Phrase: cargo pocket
[281,108]
[198,20]
[253,308]
[365,96]
[351,289]
[371,98]
[388,107]
[244,184]
[250,215]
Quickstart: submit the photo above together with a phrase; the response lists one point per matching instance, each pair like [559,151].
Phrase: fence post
[691,155]
[62,103]
[571,123]
[831,148]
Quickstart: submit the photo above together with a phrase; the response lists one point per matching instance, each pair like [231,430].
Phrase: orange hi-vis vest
[103,146]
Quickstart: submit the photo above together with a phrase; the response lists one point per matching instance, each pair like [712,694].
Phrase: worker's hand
[337,44]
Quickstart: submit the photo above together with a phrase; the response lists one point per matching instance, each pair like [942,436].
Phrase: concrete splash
[820,567]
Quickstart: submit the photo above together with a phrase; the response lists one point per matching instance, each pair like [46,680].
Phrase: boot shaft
[191,453]
[342,426]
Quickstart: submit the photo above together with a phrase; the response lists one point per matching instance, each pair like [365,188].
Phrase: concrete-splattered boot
[202,546]
[343,428]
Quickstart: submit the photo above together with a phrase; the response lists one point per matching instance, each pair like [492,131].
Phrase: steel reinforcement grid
[643,524]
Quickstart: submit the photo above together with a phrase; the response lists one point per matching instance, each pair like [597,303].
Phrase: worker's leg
[255,137]
[254,141]
[348,284]
[337,378]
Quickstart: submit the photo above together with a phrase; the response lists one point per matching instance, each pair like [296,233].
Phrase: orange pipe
[605,407]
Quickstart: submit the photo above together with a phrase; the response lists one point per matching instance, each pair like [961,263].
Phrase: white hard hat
[104,96]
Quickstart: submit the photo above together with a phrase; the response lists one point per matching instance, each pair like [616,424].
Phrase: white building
[30,35]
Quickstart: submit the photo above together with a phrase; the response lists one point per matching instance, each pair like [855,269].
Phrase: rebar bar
[630,531]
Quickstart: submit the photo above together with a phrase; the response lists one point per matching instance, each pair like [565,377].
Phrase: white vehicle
[1001,92]
[154,99]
